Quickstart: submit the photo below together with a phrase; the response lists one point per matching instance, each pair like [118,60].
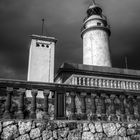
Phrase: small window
[37,45]
[43,45]
[98,23]
[47,46]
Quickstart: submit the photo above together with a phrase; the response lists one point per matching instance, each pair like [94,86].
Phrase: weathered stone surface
[24,127]
[118,125]
[131,125]
[131,131]
[40,115]
[10,132]
[122,132]
[55,134]
[135,137]
[0,127]
[35,133]
[119,138]
[98,127]
[87,136]
[99,136]
[40,138]
[23,137]
[92,127]
[46,134]
[6,123]
[85,127]
[74,135]
[80,126]
[63,132]
[110,129]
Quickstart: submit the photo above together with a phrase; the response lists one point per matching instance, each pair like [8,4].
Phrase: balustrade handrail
[29,85]
[62,92]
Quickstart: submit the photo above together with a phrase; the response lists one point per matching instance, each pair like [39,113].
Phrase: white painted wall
[96,44]
[41,62]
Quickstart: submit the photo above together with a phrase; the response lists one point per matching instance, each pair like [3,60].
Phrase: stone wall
[68,130]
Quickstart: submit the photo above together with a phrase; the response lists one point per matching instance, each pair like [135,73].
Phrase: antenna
[42,31]
[94,1]
[126,63]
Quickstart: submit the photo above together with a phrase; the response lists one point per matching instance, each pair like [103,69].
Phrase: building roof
[73,68]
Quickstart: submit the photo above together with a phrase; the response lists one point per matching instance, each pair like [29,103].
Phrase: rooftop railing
[71,102]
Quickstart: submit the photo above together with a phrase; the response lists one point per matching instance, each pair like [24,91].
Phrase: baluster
[119,84]
[84,81]
[76,81]
[137,86]
[20,113]
[83,101]
[79,80]
[111,83]
[100,83]
[46,95]
[112,108]
[122,107]
[33,104]
[103,107]
[96,82]
[127,87]
[107,83]
[134,86]
[88,81]
[7,114]
[104,85]
[92,82]
[73,81]
[93,107]
[138,105]
[115,84]
[131,108]
[73,106]
[130,85]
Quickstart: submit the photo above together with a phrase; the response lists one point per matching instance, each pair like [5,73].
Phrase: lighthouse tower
[95,34]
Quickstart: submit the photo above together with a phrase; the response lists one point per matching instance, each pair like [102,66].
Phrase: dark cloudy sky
[21,18]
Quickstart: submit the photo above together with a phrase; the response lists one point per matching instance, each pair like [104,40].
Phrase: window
[98,23]
[37,45]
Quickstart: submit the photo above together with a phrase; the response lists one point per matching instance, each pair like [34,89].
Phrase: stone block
[35,133]
[24,127]
[110,129]
[10,132]
[23,137]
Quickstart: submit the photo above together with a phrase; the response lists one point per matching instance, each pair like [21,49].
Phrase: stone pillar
[122,107]
[131,108]
[7,114]
[112,108]
[20,113]
[98,107]
[83,101]
[93,107]
[46,95]
[138,106]
[103,107]
[88,106]
[33,104]
[73,107]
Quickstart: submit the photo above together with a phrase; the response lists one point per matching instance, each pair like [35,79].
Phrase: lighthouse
[95,34]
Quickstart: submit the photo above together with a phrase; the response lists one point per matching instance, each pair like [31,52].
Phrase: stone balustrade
[70,102]
[104,82]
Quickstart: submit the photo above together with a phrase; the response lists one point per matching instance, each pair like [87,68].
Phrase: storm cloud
[63,20]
